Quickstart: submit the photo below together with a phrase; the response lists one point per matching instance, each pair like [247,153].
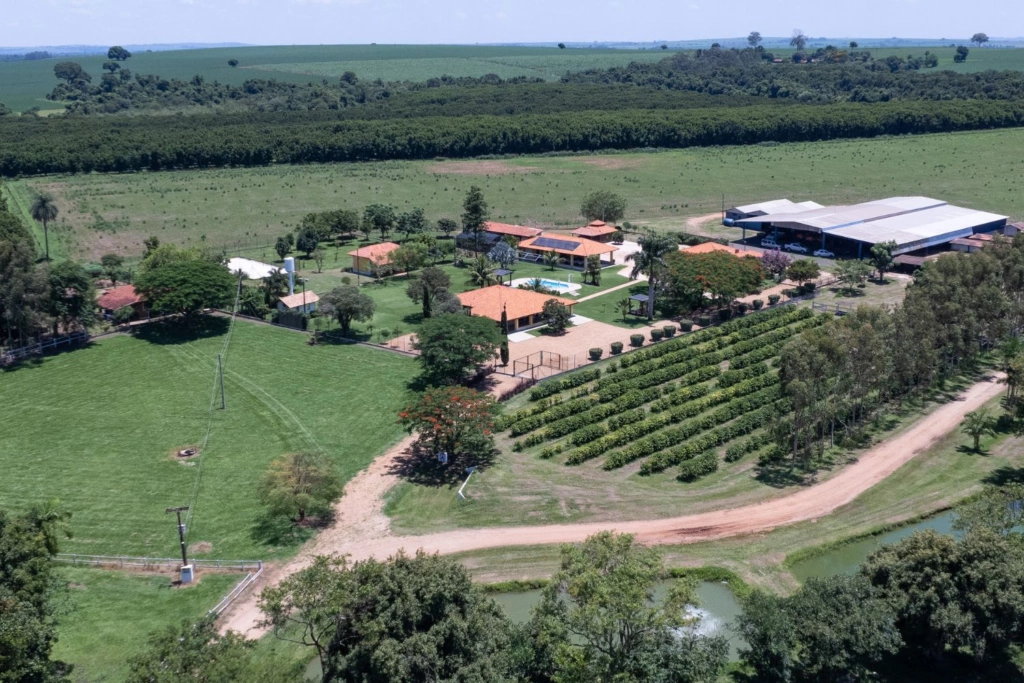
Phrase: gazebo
[501,273]
[641,301]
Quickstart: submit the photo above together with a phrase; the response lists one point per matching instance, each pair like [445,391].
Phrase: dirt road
[362,529]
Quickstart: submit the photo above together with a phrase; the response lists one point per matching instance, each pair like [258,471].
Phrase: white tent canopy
[254,270]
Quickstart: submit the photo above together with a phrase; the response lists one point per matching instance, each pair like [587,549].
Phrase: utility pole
[220,371]
[181,537]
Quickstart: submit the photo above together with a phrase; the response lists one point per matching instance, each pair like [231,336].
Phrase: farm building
[119,297]
[572,251]
[520,232]
[366,259]
[913,223]
[303,302]
[596,230]
[1012,229]
[253,270]
[523,307]
[774,206]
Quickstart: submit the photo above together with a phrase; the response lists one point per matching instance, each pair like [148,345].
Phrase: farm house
[522,307]
[366,259]
[572,251]
[599,231]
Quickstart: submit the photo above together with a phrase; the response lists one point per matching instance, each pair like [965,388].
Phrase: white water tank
[289,267]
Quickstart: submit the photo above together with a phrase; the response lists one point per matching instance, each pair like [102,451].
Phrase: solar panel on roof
[551,243]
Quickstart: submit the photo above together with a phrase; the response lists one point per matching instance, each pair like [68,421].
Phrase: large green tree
[457,420]
[882,258]
[347,304]
[602,205]
[187,287]
[300,484]
[598,619]
[452,345]
[72,300]
[406,620]
[425,288]
[24,292]
[379,217]
[692,280]
[44,209]
[650,261]
[474,213]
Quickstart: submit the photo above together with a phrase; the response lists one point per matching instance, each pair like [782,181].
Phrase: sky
[311,22]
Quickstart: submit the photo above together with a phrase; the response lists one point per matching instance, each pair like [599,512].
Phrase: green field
[26,84]
[248,208]
[98,429]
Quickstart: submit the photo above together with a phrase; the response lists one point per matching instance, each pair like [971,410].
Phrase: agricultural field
[25,84]
[126,405]
[630,436]
[246,209]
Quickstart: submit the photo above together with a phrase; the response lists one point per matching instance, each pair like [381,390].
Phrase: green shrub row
[524,424]
[623,419]
[553,405]
[641,369]
[528,442]
[659,377]
[570,381]
[620,436]
[682,410]
[754,443]
[588,434]
[731,377]
[681,395]
[757,356]
[701,466]
[748,420]
[551,451]
[628,401]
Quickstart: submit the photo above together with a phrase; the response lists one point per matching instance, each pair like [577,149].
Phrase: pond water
[845,559]
[718,609]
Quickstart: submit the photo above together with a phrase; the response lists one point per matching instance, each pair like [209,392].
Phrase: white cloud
[501,16]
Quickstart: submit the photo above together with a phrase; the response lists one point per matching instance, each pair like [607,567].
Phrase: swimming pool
[570,288]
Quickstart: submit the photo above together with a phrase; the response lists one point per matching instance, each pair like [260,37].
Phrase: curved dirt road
[362,529]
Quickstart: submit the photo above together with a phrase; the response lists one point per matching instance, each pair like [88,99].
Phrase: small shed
[598,231]
[119,297]
[965,245]
[1012,229]
[303,302]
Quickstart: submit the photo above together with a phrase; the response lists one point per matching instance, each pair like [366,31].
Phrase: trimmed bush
[725,314]
[773,299]
[596,353]
[686,325]
[703,320]
[758,303]
[810,286]
[792,292]
[657,334]
[669,330]
[698,467]
[616,348]
[742,307]
[636,340]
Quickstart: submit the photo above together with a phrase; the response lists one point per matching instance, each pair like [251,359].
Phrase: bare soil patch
[612,163]
[200,547]
[478,168]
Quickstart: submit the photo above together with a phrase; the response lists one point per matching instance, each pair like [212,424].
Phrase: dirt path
[362,529]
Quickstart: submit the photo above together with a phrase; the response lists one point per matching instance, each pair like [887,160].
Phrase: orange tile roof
[595,229]
[378,253]
[295,300]
[708,247]
[119,297]
[518,303]
[514,230]
[586,247]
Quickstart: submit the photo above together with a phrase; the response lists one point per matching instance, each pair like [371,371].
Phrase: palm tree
[978,424]
[551,259]
[44,210]
[481,272]
[593,270]
[51,520]
[650,261]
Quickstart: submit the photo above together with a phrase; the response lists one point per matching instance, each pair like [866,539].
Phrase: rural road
[362,530]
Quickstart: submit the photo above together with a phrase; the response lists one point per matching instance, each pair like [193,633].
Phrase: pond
[718,609]
[845,559]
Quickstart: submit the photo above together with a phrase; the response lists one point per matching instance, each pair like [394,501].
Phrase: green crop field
[125,405]
[26,84]
[246,208]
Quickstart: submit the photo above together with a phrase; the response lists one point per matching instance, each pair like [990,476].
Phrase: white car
[769,243]
[824,253]
[797,247]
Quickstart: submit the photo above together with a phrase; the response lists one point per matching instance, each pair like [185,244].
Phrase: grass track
[97,428]
[247,208]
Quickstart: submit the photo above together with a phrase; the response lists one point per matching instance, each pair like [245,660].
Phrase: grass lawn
[98,427]
[934,480]
[114,612]
[249,208]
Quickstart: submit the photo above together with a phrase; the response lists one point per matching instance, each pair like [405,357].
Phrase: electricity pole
[220,371]
[181,532]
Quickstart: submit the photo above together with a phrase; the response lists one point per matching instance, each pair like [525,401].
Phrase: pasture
[246,209]
[99,428]
[25,84]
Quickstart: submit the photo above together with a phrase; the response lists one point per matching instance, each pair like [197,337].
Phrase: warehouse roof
[776,206]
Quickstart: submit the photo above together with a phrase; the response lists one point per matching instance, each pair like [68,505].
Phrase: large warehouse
[913,223]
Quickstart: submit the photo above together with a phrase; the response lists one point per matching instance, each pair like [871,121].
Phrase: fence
[239,588]
[52,344]
[76,560]
[541,360]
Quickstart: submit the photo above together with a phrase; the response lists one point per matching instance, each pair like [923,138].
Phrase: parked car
[824,253]
[797,247]
[769,243]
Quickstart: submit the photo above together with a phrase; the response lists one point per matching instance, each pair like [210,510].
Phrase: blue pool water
[554,284]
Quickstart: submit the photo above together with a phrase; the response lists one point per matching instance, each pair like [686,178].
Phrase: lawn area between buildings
[99,428]
[248,209]
[934,480]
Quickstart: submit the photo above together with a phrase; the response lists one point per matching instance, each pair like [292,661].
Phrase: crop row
[754,443]
[666,439]
[697,370]
[701,466]
[678,414]
[730,377]
[553,408]
[745,422]
[570,381]
[684,399]
[626,402]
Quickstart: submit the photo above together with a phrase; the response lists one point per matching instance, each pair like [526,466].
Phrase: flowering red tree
[775,262]
[452,419]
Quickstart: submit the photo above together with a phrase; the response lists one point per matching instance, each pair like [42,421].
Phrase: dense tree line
[77,145]
[840,374]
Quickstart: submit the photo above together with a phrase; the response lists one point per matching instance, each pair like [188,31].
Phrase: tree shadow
[780,476]
[175,331]
[36,361]
[970,450]
[418,466]
[279,531]
[413,318]
[1005,475]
